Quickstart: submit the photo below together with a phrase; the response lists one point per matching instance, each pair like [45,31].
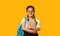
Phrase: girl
[30,16]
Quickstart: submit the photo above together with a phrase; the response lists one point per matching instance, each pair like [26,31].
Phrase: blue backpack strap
[20,32]
[25,20]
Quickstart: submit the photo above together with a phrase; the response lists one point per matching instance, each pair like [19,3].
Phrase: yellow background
[47,11]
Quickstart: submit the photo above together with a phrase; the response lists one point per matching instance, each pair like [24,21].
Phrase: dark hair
[33,11]
[30,7]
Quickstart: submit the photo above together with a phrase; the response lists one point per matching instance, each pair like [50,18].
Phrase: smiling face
[30,12]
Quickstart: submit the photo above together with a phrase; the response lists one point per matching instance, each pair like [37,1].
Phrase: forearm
[28,30]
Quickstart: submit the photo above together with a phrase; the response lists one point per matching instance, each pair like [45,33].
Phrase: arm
[37,29]
[38,25]
[27,29]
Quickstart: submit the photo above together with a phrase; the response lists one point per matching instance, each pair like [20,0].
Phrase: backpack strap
[20,32]
[25,20]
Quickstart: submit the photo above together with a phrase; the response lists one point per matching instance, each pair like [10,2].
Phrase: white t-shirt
[38,22]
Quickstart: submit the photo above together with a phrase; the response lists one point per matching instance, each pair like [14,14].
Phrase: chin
[30,15]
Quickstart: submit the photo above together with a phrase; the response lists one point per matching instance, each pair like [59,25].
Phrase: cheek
[28,13]
[32,13]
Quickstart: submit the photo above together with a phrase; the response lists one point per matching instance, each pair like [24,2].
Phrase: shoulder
[24,19]
[37,20]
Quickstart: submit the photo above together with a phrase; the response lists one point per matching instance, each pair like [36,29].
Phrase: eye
[30,11]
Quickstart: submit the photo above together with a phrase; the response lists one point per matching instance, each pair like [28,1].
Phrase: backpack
[20,32]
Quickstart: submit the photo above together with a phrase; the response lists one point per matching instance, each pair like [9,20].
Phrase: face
[30,12]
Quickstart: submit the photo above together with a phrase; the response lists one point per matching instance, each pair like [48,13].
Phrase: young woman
[30,16]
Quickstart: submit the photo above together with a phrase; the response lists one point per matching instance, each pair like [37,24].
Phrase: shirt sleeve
[38,23]
[23,20]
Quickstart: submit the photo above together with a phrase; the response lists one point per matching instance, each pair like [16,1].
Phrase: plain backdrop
[13,11]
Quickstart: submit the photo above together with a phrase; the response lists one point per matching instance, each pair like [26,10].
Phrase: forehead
[30,9]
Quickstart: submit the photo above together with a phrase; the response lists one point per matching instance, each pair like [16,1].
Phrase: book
[32,24]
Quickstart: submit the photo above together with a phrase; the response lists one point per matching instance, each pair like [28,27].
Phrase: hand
[37,28]
[34,31]
[29,27]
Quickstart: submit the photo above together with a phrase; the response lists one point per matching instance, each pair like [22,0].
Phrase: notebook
[32,24]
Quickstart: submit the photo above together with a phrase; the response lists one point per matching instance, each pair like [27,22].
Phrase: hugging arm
[27,29]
